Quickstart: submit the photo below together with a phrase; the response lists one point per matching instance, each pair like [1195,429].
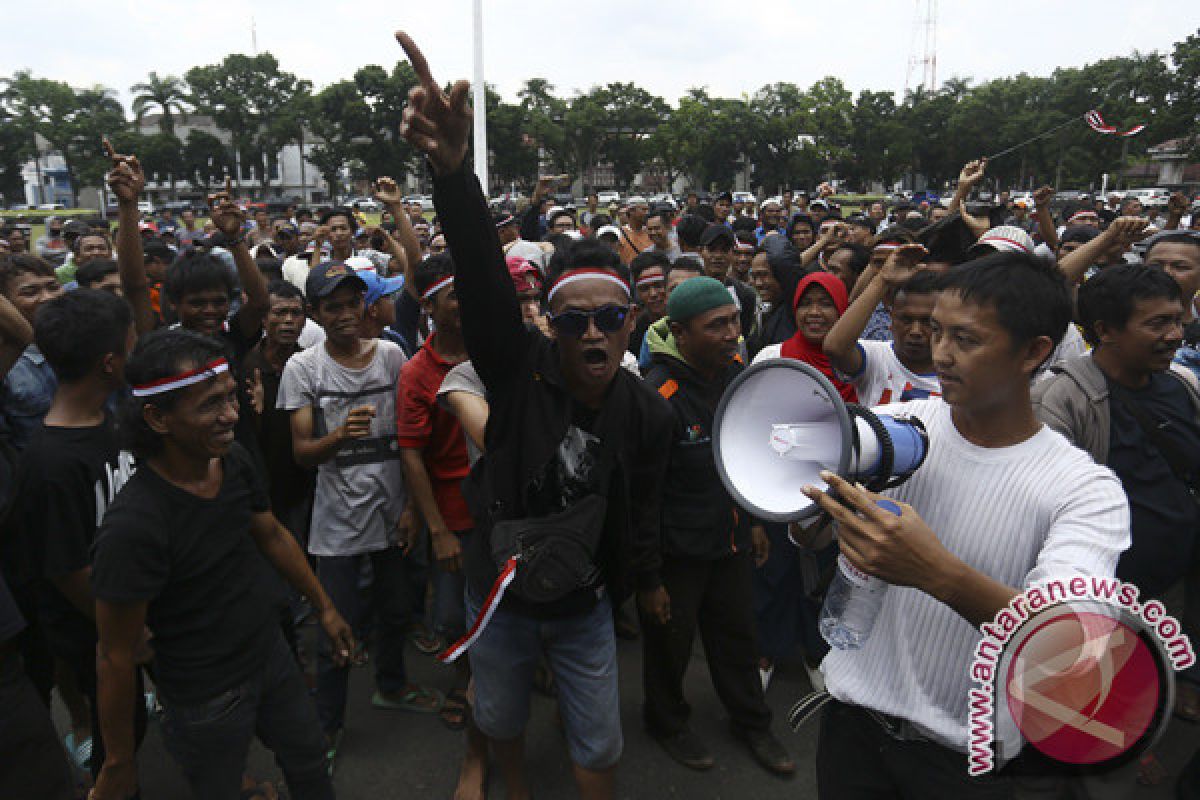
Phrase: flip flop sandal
[454,710]
[426,643]
[411,701]
[81,754]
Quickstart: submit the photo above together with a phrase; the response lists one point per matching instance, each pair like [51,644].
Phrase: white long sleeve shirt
[1022,515]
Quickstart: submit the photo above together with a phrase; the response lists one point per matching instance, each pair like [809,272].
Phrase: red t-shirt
[422,424]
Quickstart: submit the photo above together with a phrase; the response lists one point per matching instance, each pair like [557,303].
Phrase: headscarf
[801,349]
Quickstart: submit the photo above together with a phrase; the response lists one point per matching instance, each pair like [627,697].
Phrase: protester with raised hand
[572,438]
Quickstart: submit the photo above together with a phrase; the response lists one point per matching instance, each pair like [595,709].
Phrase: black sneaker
[687,749]
[768,751]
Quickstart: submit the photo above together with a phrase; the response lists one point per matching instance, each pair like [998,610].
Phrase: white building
[292,178]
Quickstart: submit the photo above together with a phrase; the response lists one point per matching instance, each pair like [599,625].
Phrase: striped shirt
[1023,514]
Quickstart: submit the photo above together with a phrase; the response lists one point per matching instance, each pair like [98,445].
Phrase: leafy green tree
[205,160]
[256,102]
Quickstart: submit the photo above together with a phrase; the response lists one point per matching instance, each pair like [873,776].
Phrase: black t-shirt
[211,594]
[66,479]
[1165,518]
[290,484]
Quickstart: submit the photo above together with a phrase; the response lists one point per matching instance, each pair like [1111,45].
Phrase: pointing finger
[108,149]
[228,186]
[417,59]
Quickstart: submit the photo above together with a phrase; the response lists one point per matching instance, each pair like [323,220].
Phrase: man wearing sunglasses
[571,436]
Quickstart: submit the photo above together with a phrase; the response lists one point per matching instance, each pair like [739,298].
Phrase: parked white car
[365,204]
[145,207]
[608,198]
[1151,198]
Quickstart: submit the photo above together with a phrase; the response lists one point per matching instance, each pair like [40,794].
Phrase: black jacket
[531,412]
[699,518]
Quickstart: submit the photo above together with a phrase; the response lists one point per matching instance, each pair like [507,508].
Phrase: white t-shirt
[884,379]
[1024,514]
[360,491]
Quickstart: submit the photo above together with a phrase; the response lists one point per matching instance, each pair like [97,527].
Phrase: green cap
[695,296]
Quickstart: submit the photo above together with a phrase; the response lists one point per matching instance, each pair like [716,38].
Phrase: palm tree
[167,94]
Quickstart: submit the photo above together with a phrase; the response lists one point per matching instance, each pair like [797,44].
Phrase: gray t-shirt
[360,491]
[463,378]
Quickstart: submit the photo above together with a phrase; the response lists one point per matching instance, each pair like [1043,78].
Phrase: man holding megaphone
[987,515]
[707,541]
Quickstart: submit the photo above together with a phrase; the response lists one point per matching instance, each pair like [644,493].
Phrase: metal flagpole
[479,101]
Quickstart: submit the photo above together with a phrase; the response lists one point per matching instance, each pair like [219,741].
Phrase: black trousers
[716,597]
[33,765]
[858,760]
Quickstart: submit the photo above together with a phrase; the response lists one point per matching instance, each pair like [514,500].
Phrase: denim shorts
[581,652]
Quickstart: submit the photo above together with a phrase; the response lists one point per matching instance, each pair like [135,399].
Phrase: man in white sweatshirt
[1001,503]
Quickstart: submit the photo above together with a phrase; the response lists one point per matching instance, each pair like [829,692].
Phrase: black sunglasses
[609,319]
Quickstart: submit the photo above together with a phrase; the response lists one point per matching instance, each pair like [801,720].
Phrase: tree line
[785,135]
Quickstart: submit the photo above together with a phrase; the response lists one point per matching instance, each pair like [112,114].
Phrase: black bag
[555,554]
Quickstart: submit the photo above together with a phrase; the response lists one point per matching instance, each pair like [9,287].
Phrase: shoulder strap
[1157,431]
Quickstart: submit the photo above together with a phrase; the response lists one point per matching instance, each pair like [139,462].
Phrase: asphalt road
[400,755]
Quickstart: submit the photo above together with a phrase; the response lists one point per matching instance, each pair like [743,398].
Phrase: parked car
[364,204]
[664,200]
[608,198]
[743,197]
[426,200]
[145,207]
[51,207]
[1151,198]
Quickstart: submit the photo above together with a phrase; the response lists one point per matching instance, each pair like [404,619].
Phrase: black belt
[896,728]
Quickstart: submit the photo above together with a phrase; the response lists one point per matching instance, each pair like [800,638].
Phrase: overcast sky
[729,46]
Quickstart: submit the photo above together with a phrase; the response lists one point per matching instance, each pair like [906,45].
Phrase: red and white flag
[1097,123]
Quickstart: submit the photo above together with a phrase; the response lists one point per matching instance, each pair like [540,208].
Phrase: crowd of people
[489,436]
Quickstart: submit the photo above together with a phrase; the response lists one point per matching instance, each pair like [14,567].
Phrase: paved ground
[398,755]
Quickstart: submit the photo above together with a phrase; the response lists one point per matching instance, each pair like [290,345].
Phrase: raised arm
[1177,206]
[389,194]
[968,178]
[230,219]
[439,125]
[1041,211]
[15,335]
[833,232]
[841,343]
[127,181]
[1126,230]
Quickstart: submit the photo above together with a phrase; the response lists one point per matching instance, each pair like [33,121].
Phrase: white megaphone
[781,422]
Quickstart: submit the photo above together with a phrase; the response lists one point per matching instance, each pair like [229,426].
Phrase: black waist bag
[555,554]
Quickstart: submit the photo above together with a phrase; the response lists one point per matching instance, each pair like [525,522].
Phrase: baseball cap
[714,232]
[524,273]
[819,202]
[377,287]
[609,230]
[530,251]
[1004,238]
[327,277]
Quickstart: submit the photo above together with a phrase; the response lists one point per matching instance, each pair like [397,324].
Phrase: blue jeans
[210,739]
[391,606]
[582,654]
[449,610]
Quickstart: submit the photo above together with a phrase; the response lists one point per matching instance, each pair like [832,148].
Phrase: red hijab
[801,349]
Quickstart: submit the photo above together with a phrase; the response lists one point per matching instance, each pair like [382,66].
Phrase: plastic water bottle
[853,601]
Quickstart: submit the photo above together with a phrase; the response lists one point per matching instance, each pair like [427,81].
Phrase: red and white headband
[1021,246]
[437,287]
[184,379]
[576,275]
[1084,213]
[650,280]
